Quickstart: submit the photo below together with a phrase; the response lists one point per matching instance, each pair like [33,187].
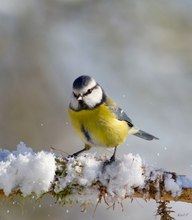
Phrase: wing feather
[120,114]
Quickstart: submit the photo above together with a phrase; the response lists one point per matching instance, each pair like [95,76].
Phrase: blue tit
[97,119]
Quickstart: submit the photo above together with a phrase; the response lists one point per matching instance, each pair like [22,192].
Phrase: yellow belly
[101,125]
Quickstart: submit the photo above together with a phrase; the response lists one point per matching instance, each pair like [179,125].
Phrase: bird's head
[86,93]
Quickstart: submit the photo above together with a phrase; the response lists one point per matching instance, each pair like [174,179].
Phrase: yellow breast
[99,126]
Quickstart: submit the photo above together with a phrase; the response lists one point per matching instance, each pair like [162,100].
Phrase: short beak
[79,98]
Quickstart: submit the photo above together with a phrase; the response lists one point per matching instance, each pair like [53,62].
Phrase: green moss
[61,170]
[63,197]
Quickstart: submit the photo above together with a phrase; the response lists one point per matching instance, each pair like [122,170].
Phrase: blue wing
[122,116]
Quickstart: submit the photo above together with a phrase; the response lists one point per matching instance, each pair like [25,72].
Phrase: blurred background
[140,51]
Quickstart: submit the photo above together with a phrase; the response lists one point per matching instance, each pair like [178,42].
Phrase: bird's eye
[89,91]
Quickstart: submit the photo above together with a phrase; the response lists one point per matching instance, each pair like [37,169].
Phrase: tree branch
[88,179]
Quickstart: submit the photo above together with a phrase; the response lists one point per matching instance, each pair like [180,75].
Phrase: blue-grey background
[140,51]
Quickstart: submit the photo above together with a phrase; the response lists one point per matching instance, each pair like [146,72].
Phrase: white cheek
[94,98]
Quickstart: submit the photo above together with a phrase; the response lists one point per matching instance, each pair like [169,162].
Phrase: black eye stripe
[90,90]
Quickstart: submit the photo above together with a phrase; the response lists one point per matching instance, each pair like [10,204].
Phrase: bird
[97,119]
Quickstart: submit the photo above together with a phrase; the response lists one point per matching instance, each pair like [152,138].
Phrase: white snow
[31,172]
[123,175]
[172,183]
[26,170]
[120,177]
[83,171]
[172,186]
[184,181]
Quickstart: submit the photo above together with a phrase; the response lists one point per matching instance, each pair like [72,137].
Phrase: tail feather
[145,135]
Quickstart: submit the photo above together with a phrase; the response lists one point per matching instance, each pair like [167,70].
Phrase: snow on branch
[88,179]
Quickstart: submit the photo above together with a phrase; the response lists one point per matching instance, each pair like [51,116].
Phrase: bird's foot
[108,162]
[87,147]
[74,155]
